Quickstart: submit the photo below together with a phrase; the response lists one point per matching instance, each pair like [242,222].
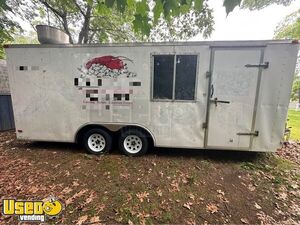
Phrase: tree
[87,21]
[289,28]
[260,4]
[253,4]
[296,90]
[7,26]
[29,38]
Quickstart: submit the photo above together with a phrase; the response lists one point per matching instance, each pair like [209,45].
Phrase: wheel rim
[133,144]
[96,142]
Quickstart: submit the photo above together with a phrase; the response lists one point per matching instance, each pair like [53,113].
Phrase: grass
[272,165]
[166,186]
[294,122]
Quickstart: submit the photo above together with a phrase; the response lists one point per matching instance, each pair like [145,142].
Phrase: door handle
[255,133]
[264,65]
[216,101]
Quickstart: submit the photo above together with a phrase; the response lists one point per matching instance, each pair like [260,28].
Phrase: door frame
[208,104]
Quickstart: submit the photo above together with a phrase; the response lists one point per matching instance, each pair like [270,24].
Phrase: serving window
[174,77]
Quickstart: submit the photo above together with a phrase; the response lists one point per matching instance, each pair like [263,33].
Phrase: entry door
[232,99]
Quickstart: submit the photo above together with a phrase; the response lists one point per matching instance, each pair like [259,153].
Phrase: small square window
[179,68]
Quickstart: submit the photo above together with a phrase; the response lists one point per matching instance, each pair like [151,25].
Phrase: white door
[232,98]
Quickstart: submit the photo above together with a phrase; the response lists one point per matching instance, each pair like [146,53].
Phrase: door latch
[264,65]
[216,101]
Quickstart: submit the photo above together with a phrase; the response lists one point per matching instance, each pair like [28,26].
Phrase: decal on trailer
[107,66]
[96,77]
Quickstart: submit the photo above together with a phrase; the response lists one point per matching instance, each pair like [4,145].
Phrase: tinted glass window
[163,76]
[186,66]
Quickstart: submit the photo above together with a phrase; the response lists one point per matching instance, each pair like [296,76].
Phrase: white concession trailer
[205,95]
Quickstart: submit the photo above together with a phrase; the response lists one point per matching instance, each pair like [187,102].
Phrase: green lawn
[294,122]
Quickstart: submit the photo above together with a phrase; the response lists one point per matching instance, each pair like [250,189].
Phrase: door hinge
[204,125]
[255,133]
[208,74]
[264,65]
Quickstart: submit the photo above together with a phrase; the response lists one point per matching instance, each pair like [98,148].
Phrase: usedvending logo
[28,210]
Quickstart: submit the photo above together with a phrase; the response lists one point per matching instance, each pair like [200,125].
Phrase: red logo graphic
[111,62]
[107,66]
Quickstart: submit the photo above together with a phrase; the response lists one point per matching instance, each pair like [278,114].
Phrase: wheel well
[86,128]
[83,130]
[145,131]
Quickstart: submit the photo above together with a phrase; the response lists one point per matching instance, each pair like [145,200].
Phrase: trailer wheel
[97,141]
[133,142]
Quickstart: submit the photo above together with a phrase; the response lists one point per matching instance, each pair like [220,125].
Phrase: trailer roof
[233,43]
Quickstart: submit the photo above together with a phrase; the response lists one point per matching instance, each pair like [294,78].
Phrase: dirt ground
[166,186]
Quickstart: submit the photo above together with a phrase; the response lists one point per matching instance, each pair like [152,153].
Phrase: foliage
[185,27]
[260,4]
[30,38]
[290,27]
[231,4]
[7,26]
[296,89]
[253,4]
[87,21]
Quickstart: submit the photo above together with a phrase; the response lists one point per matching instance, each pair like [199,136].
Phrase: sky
[243,24]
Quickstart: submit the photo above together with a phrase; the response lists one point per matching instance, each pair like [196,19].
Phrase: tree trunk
[66,28]
[84,32]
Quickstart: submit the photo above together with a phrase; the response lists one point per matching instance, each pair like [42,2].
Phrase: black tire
[96,135]
[142,141]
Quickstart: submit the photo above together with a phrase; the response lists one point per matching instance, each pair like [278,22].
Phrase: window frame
[152,99]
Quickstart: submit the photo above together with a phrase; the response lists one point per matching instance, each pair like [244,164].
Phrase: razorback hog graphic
[107,66]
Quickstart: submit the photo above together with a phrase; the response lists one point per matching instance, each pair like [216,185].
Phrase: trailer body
[204,95]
